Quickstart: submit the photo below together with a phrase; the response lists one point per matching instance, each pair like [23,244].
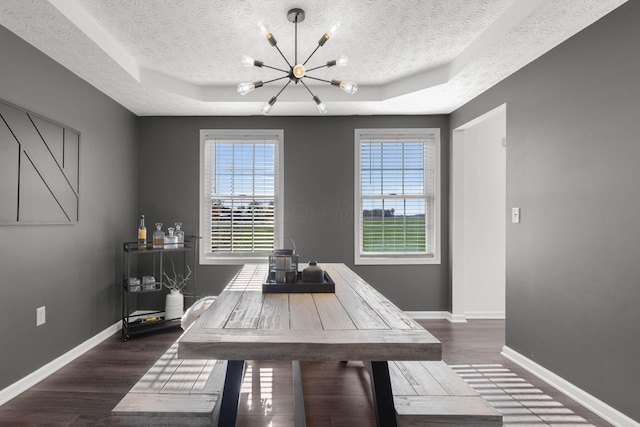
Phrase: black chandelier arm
[312,53]
[327,65]
[315,78]
[275,80]
[283,87]
[307,87]
[274,68]
[283,57]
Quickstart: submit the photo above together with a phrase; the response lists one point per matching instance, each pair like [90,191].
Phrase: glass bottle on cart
[171,240]
[158,236]
[142,234]
[179,234]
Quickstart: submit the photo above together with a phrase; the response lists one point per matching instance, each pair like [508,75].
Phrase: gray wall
[70,269]
[573,159]
[572,166]
[319,186]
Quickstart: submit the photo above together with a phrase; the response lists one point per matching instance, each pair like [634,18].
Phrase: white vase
[174,305]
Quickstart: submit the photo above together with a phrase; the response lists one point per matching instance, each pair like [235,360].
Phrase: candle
[281,267]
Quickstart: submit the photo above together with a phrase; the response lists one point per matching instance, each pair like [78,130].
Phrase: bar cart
[142,285]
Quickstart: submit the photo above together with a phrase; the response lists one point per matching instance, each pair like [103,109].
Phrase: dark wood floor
[336,394]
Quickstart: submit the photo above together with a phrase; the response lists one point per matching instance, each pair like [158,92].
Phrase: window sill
[210,260]
[381,260]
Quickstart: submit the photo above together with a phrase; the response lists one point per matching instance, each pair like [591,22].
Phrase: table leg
[298,395]
[382,394]
[231,393]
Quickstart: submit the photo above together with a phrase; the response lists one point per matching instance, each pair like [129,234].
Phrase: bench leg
[382,394]
[231,393]
[298,395]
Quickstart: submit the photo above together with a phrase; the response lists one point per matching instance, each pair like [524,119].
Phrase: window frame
[229,258]
[361,258]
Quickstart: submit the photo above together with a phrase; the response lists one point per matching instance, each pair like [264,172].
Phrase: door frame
[457,213]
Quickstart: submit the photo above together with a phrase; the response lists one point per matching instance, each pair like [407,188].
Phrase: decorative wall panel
[39,165]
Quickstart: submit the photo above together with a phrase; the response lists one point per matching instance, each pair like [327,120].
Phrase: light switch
[515,215]
[41,318]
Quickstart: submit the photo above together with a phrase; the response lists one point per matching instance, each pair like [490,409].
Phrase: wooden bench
[431,393]
[176,390]
[182,391]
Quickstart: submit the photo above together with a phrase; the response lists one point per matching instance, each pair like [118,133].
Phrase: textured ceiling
[182,57]
[204,42]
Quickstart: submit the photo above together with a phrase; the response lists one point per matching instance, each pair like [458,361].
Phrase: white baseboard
[485,315]
[428,315]
[590,402]
[458,318]
[431,315]
[35,377]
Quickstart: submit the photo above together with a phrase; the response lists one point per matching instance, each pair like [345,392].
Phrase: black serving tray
[271,287]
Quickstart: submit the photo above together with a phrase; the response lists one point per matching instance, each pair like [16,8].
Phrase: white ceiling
[182,57]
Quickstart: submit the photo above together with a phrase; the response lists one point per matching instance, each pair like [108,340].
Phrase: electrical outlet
[515,215]
[41,316]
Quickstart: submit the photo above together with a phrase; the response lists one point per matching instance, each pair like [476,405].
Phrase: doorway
[478,222]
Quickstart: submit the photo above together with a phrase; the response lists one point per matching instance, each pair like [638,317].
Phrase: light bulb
[349,87]
[267,34]
[245,88]
[266,109]
[298,71]
[321,107]
[333,28]
[342,60]
[263,29]
[247,61]
[268,105]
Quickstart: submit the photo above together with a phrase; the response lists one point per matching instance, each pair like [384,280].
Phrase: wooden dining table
[356,322]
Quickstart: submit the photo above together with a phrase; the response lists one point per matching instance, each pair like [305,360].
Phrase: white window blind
[241,197]
[397,175]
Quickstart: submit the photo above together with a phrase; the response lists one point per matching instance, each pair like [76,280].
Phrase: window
[397,196]
[240,195]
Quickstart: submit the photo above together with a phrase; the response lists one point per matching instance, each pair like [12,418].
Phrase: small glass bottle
[158,236]
[171,240]
[180,234]
[142,234]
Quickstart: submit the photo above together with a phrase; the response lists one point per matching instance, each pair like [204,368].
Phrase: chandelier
[296,72]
